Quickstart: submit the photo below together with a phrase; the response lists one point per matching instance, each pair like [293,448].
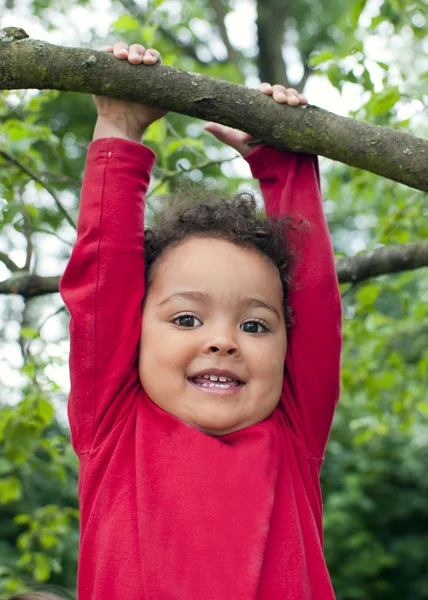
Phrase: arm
[103,288]
[103,285]
[290,185]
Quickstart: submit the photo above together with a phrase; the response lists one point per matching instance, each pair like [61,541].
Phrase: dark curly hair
[234,220]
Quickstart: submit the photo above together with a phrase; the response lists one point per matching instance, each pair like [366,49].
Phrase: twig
[12,266]
[18,227]
[44,321]
[220,11]
[27,232]
[171,174]
[13,160]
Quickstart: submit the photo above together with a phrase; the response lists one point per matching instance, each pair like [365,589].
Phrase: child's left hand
[239,139]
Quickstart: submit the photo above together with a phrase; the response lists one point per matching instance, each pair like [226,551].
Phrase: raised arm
[290,186]
[103,285]
[103,288]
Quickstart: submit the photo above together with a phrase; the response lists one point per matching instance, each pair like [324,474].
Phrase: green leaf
[42,570]
[368,294]
[48,541]
[22,519]
[6,466]
[183,144]
[382,103]
[10,490]
[45,411]
[357,9]
[320,57]
[28,333]
[125,23]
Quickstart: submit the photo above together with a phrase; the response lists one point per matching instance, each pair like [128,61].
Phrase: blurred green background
[365,59]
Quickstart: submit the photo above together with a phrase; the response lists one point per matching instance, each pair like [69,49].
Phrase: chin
[217,430]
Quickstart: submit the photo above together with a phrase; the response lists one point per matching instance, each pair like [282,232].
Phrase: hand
[120,118]
[239,139]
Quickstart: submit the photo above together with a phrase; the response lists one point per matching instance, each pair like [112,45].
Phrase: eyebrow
[202,297]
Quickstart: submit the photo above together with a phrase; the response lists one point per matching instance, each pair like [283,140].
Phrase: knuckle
[137,48]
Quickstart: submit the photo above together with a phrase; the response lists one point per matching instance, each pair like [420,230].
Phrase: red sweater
[168,512]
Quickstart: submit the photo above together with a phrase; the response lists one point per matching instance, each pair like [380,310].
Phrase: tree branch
[29,285]
[220,12]
[383,261]
[27,232]
[271,17]
[29,64]
[14,161]
[9,263]
[391,259]
[306,74]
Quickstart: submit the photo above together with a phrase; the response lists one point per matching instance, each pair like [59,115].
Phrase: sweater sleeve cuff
[265,160]
[127,151]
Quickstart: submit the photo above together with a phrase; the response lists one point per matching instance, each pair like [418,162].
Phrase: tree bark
[353,269]
[26,63]
[391,259]
[271,17]
[233,55]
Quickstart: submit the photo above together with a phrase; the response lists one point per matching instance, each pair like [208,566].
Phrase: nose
[223,346]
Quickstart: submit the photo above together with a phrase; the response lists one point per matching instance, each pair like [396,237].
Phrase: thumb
[232,137]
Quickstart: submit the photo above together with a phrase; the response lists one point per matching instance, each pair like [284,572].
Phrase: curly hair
[234,220]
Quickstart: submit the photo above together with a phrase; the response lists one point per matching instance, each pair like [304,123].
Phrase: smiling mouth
[217,385]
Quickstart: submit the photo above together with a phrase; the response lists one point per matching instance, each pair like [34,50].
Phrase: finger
[293,97]
[266,88]
[120,50]
[303,99]
[280,94]
[136,54]
[151,57]
[107,49]
[228,135]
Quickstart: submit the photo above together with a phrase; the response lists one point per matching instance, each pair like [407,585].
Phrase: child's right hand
[120,118]
[241,141]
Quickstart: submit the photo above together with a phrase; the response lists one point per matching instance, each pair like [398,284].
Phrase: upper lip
[218,372]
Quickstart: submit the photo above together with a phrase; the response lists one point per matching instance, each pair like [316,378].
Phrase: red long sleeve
[290,186]
[168,512]
[103,288]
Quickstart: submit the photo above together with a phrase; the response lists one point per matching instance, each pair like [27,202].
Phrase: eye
[254,327]
[188,321]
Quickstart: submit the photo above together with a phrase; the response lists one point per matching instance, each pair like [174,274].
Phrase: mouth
[223,384]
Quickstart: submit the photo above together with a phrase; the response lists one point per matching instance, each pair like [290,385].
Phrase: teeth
[216,385]
[215,378]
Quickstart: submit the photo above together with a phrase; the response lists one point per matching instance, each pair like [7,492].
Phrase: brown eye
[188,321]
[254,327]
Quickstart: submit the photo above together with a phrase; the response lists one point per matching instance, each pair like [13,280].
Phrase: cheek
[270,359]
[161,349]
[271,373]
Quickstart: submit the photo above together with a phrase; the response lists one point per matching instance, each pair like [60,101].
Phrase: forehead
[216,266]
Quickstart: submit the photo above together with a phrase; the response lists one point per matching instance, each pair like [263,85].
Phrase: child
[199,450]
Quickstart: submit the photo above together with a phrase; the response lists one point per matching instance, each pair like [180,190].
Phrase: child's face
[214,308]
